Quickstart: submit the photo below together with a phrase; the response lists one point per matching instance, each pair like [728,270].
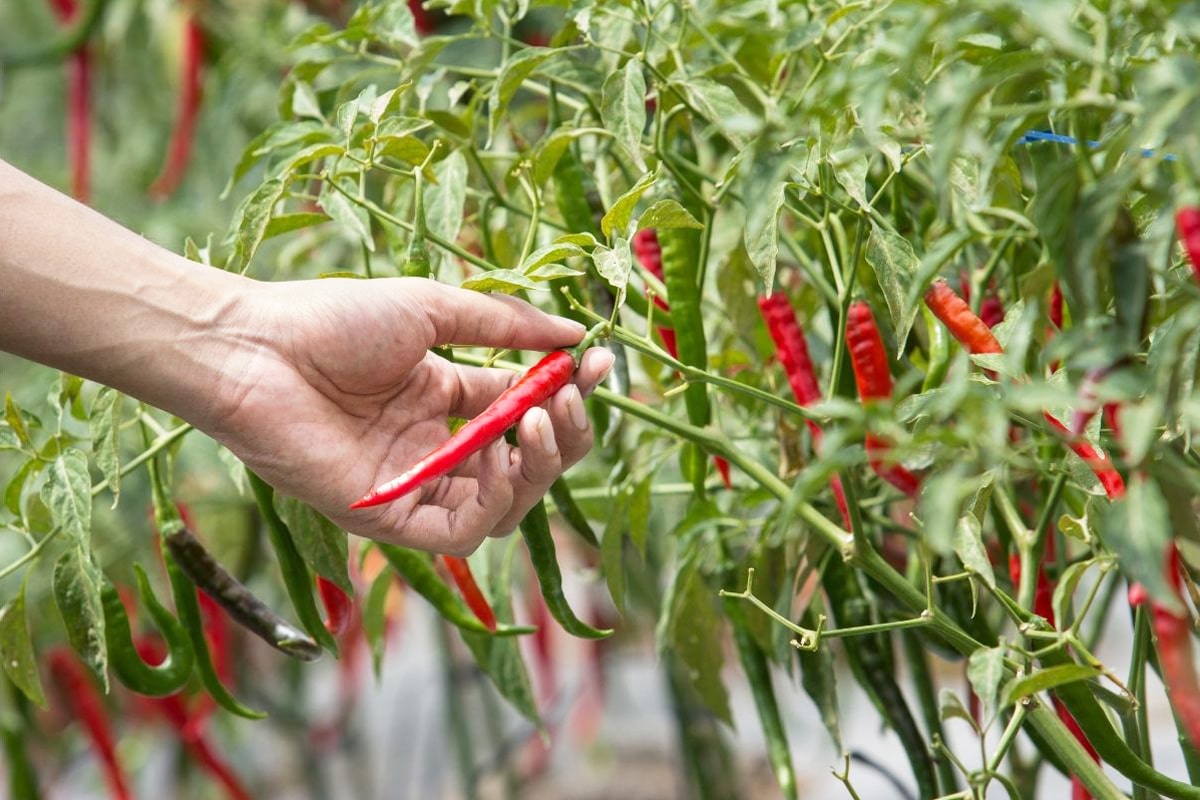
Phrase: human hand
[330,389]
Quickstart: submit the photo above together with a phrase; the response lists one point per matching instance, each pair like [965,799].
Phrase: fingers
[460,316]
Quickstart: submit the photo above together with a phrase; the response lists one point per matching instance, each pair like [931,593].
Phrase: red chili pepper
[460,571]
[868,357]
[649,255]
[423,21]
[191,84]
[1056,306]
[1106,473]
[970,331]
[79,103]
[533,388]
[1187,221]
[792,351]
[1173,630]
[88,707]
[339,606]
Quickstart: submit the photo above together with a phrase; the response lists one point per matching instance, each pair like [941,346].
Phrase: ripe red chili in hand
[460,571]
[533,388]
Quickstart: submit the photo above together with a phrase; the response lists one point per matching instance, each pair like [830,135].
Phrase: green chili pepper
[156,681]
[416,568]
[22,778]
[188,609]
[758,674]
[239,602]
[416,261]
[560,493]
[939,352]
[871,663]
[169,522]
[296,576]
[535,529]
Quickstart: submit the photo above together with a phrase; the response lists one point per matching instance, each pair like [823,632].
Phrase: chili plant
[753,202]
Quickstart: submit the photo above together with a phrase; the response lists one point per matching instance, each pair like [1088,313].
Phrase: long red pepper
[460,571]
[868,357]
[191,83]
[649,255]
[339,606]
[1173,630]
[79,105]
[85,703]
[1187,221]
[1056,306]
[533,388]
[792,351]
[972,333]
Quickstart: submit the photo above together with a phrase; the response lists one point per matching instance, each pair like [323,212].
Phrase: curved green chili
[565,503]
[238,601]
[535,529]
[871,662]
[758,673]
[416,260]
[938,357]
[296,577]
[416,568]
[155,681]
[188,609]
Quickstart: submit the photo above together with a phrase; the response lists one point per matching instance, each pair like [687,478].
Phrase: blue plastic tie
[1046,136]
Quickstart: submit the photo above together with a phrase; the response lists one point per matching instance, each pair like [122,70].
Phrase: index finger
[460,316]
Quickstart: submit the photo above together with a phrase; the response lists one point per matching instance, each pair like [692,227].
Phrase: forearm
[82,294]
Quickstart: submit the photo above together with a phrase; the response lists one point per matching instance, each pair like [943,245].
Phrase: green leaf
[287,223]
[16,484]
[1138,530]
[305,103]
[762,233]
[614,265]
[308,155]
[668,214]
[512,75]
[550,150]
[374,618]
[505,281]
[818,676]
[251,220]
[1064,591]
[1044,679]
[12,415]
[322,544]
[895,264]
[550,254]
[68,495]
[623,108]
[16,649]
[612,557]
[968,545]
[718,105]
[104,422]
[350,216]
[615,221]
[8,438]
[950,706]
[985,671]
[690,627]
[444,201]
[77,583]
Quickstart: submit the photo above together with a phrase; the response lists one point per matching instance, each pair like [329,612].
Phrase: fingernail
[579,327]
[545,432]
[607,370]
[576,410]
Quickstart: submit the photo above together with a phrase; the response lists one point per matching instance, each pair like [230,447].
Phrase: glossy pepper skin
[464,579]
[792,352]
[868,357]
[533,388]
[970,330]
[339,606]
[1187,222]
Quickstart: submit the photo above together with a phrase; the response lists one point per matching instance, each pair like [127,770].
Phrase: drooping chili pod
[416,568]
[416,259]
[296,576]
[964,325]
[464,579]
[168,676]
[179,149]
[339,606]
[85,703]
[238,602]
[758,674]
[572,514]
[535,530]
[79,104]
[1187,222]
